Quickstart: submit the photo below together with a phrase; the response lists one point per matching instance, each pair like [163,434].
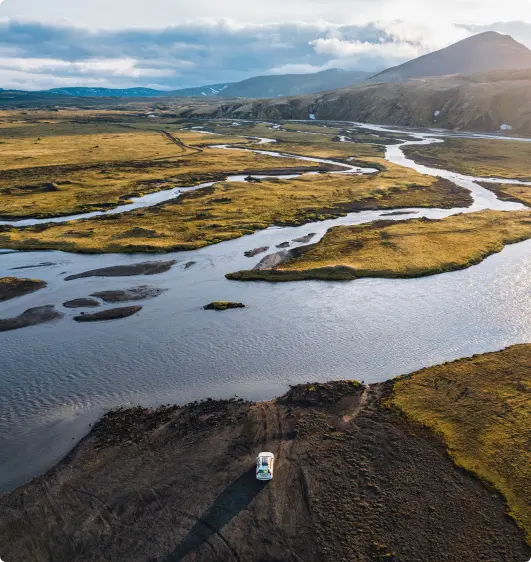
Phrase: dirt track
[353,481]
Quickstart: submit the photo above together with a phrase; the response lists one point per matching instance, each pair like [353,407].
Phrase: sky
[170,44]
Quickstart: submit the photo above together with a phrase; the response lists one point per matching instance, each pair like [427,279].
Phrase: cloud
[139,13]
[129,68]
[295,68]
[519,30]
[157,13]
[340,49]
[206,51]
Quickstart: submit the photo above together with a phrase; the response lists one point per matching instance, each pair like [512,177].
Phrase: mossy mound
[11,287]
[316,394]
[223,305]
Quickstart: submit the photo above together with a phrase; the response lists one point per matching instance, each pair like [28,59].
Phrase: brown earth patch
[354,480]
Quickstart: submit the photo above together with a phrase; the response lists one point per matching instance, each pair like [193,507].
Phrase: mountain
[479,53]
[107,92]
[491,101]
[279,85]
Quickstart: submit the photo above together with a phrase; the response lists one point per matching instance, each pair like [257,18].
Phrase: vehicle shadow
[228,505]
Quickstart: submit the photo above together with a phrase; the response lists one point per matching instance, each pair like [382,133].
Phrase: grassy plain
[54,169]
[481,407]
[411,248]
[477,157]
[232,209]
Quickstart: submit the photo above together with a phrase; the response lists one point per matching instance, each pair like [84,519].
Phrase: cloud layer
[37,55]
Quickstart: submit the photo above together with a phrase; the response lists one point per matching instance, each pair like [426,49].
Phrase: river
[57,378]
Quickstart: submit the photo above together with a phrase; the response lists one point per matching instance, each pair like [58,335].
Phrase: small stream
[57,378]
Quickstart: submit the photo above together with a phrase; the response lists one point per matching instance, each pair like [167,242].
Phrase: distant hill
[257,87]
[107,92]
[279,85]
[479,53]
[492,101]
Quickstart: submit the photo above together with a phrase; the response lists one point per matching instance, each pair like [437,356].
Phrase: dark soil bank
[145,268]
[30,317]
[81,303]
[133,294]
[111,314]
[11,287]
[353,481]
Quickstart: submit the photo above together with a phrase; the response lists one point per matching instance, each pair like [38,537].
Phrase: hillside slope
[483,102]
[479,53]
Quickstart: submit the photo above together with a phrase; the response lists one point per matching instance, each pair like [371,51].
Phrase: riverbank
[354,478]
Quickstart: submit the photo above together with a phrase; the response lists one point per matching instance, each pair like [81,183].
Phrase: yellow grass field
[229,210]
[55,169]
[481,407]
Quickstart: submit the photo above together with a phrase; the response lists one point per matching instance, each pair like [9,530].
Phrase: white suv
[264,466]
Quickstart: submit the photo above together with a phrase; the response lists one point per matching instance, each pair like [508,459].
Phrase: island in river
[361,473]
[386,248]
[30,317]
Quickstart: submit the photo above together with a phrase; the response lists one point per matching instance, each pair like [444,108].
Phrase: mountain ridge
[482,52]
